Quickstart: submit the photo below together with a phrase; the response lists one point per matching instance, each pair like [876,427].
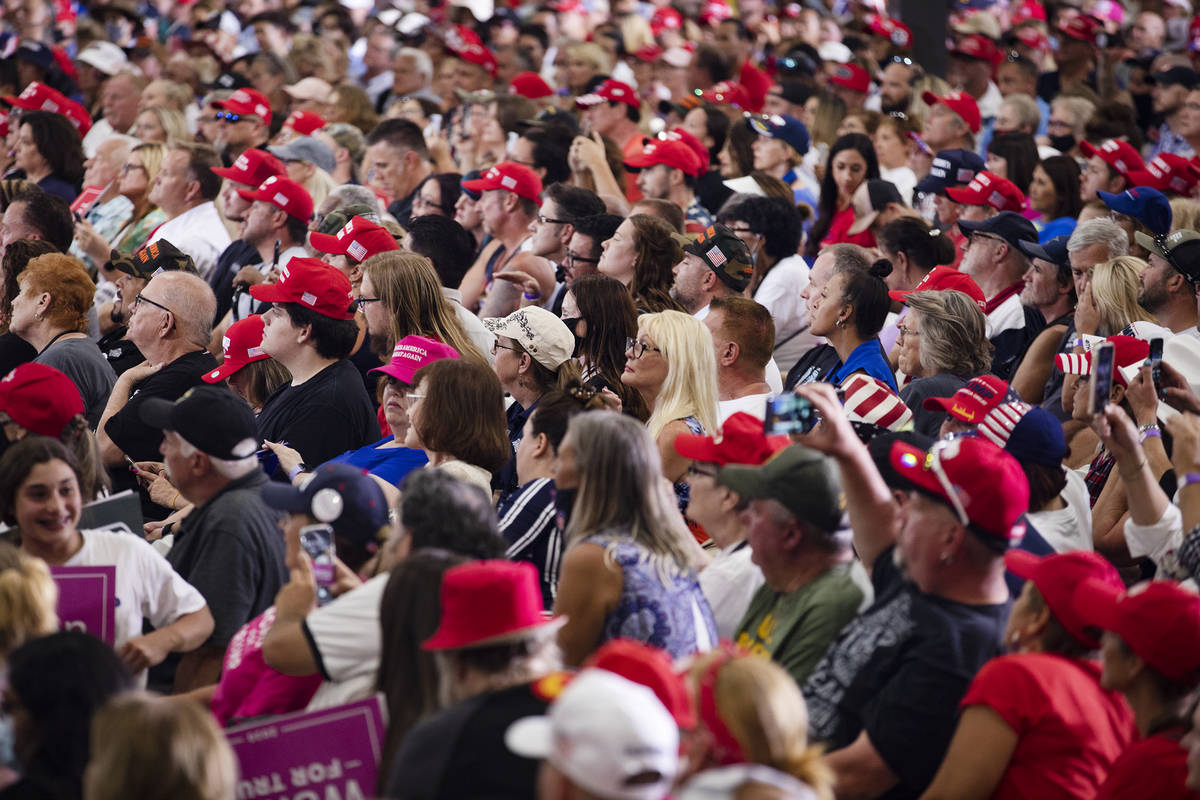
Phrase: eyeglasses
[362,302]
[497,346]
[142,299]
[637,349]
[411,398]
[576,258]
[548,221]
[904,331]
[694,470]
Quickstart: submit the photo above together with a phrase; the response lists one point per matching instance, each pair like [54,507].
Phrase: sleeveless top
[683,492]
[672,615]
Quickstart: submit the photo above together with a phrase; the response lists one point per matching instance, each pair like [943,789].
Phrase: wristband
[1147,431]
[296,470]
[1188,480]
[529,296]
[1079,342]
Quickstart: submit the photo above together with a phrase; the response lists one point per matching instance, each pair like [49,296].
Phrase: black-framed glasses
[576,258]
[143,299]
[497,346]
[694,470]
[362,302]
[637,349]
[549,221]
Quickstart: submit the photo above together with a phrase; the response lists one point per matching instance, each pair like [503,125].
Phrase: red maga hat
[283,193]
[1081,28]
[680,135]
[313,284]
[511,177]
[943,277]
[40,399]
[671,152]
[851,76]
[1127,350]
[1117,153]
[253,167]
[988,189]
[893,30]
[1057,576]
[359,239]
[652,668]
[530,85]
[1166,172]
[972,402]
[742,441]
[489,602]
[304,122]
[1158,620]
[960,103]
[976,46]
[610,91]
[727,93]
[243,345]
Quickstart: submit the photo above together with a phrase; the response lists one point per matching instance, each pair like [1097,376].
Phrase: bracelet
[1137,471]
[1147,431]
[296,470]
[529,296]
[1188,480]
[173,499]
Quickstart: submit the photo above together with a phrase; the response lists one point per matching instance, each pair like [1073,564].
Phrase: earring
[841,323]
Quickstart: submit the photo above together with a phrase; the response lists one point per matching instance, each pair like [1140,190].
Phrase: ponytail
[809,767]
[925,247]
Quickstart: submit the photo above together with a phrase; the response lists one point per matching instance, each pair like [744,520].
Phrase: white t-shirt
[348,641]
[1069,528]
[780,292]
[753,404]
[728,583]
[147,585]
[198,232]
[904,179]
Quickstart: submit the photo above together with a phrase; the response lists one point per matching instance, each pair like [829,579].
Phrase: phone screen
[1155,359]
[1102,377]
[790,413]
[317,541]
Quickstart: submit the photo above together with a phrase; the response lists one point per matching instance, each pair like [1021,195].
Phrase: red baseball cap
[665,18]
[893,30]
[851,76]
[671,152]
[283,193]
[976,46]
[304,122]
[1028,10]
[413,352]
[610,91]
[652,668]
[943,277]
[679,134]
[972,402]
[1166,172]
[511,177]
[479,55]
[531,85]
[1158,620]
[1117,153]
[989,189]
[1127,350]
[253,167]
[243,345]
[313,284]
[359,239]
[41,399]
[650,53]
[40,97]
[489,602]
[247,102]
[742,441]
[1033,38]
[727,93]
[960,103]
[1057,576]
[1080,28]
[984,485]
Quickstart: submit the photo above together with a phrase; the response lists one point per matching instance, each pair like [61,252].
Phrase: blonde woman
[1113,290]
[753,732]
[401,295]
[585,60]
[137,176]
[630,565]
[28,598]
[154,748]
[162,125]
[671,365]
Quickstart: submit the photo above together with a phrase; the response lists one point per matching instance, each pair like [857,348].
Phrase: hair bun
[881,268]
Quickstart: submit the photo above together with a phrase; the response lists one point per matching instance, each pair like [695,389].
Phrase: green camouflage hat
[335,220]
[723,252]
[1180,249]
[145,263]
[803,480]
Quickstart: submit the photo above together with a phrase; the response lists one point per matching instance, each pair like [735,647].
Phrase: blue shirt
[387,463]
[868,357]
[1063,226]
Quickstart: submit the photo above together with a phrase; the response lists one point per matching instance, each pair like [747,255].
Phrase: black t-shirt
[898,671]
[232,258]
[14,351]
[929,422]
[460,752]
[120,353]
[138,440]
[323,417]
[815,366]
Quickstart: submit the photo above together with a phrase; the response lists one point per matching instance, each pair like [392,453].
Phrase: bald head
[191,300]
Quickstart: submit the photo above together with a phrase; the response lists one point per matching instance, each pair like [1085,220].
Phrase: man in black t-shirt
[324,410]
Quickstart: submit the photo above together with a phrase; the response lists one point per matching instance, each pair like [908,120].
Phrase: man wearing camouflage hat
[716,263]
[1169,283]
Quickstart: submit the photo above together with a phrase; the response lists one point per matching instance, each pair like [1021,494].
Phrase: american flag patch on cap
[357,251]
[716,256]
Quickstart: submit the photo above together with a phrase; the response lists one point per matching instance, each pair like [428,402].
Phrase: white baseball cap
[543,335]
[104,56]
[609,735]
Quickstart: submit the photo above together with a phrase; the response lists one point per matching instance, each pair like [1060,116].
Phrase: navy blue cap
[951,168]
[1008,225]
[343,496]
[784,127]
[1148,206]
[36,53]
[1029,434]
[1054,251]
[473,175]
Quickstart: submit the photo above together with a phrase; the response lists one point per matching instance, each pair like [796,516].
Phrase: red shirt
[632,147]
[1155,767]
[842,221]
[757,85]
[1069,729]
[960,244]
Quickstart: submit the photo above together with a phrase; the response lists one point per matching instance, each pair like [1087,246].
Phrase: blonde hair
[621,489]
[153,154]
[318,185]
[174,124]
[690,389]
[411,291]
[1114,285]
[1185,214]
[153,748]
[763,709]
[590,51]
[28,599]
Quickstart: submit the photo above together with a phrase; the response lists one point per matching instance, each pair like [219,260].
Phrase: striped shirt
[528,524]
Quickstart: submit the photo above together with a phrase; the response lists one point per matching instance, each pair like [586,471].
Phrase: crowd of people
[645,400]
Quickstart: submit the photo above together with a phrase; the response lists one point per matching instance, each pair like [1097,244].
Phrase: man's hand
[143,652]
[249,274]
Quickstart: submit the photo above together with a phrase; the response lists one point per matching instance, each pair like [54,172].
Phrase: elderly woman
[50,313]
[943,343]
[642,255]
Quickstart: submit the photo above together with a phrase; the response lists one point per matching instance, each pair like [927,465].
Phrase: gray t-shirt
[82,362]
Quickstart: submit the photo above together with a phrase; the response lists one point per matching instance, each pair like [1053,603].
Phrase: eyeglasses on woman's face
[636,349]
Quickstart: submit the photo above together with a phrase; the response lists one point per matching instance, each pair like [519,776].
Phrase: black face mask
[1062,144]
[572,324]
[560,273]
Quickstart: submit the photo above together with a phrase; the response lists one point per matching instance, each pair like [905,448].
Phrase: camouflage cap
[335,220]
[722,252]
[145,263]
[1180,249]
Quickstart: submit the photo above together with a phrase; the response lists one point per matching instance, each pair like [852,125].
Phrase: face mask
[572,324]
[1062,144]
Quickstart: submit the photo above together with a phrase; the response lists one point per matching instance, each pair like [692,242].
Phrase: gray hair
[229,470]
[350,194]
[1026,109]
[953,336]
[439,510]
[1100,230]
[346,135]
[192,302]
[421,59]
[1080,109]
[849,258]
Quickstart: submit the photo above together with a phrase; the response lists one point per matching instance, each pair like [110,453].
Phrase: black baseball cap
[1176,76]
[1008,225]
[148,261]
[1180,249]
[1053,251]
[723,252]
[956,167]
[343,496]
[212,419]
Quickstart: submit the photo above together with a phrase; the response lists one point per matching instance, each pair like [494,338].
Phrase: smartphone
[1101,378]
[317,541]
[1155,360]
[268,461]
[132,464]
[790,413]
[435,125]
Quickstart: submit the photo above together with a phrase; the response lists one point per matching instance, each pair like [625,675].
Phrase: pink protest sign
[331,754]
[87,600]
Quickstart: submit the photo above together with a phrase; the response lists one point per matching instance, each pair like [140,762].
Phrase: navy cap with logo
[1008,225]
[723,252]
[783,127]
[950,168]
[212,419]
[1053,251]
[343,496]
[1147,205]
